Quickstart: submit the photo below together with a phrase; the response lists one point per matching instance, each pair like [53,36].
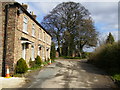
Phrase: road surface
[69,74]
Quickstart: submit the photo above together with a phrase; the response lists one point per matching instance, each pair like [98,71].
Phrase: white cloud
[103,12]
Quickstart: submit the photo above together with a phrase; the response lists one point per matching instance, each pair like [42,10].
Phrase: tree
[110,39]
[69,18]
[86,35]
[53,51]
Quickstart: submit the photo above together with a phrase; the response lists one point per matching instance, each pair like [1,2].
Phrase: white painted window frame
[33,30]
[25,24]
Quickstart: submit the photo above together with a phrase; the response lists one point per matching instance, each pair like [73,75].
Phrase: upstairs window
[33,30]
[40,34]
[25,22]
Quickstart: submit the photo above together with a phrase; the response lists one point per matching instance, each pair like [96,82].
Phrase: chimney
[34,16]
[25,6]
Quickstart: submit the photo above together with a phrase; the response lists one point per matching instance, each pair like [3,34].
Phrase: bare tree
[73,19]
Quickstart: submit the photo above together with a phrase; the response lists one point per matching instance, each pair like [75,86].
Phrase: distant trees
[71,27]
[110,39]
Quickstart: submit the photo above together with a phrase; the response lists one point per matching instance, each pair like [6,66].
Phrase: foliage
[71,26]
[45,63]
[85,54]
[116,77]
[53,51]
[52,60]
[21,66]
[34,67]
[32,63]
[69,57]
[106,57]
[38,60]
[110,39]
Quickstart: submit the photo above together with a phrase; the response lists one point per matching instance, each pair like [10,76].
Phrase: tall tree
[86,35]
[110,39]
[69,18]
[53,51]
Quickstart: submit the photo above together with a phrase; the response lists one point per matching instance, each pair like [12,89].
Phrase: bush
[106,57]
[86,54]
[21,66]
[32,63]
[52,60]
[38,60]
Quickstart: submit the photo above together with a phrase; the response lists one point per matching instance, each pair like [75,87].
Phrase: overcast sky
[103,12]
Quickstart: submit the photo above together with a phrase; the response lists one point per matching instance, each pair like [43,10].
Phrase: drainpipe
[5,41]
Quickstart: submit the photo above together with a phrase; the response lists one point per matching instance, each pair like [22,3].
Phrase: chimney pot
[34,16]
[25,6]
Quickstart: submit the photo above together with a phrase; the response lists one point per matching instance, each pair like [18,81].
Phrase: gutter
[5,40]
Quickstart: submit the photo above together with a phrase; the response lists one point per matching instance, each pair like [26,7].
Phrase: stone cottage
[21,36]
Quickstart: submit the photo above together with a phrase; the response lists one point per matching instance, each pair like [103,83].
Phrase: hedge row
[106,57]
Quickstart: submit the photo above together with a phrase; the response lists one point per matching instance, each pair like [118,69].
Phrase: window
[33,30]
[44,36]
[25,21]
[40,34]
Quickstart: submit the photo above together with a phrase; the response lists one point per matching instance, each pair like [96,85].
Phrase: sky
[103,12]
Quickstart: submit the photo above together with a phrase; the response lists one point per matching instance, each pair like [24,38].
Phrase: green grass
[17,75]
[34,68]
[116,77]
[69,57]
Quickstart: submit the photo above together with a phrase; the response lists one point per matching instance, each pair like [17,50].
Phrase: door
[24,51]
[32,53]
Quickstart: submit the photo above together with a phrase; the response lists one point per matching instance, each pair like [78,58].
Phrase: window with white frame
[33,29]
[43,36]
[25,22]
[40,34]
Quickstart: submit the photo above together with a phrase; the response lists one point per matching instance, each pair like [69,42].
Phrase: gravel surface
[70,74]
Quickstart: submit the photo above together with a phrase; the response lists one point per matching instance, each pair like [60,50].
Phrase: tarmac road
[66,73]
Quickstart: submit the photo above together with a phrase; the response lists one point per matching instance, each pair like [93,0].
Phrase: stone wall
[1,39]
[14,34]
[11,38]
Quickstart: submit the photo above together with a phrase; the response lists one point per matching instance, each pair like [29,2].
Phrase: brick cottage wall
[14,34]
[2,23]
[1,39]
[11,38]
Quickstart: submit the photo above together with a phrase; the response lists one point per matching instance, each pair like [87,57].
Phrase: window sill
[33,36]
[25,32]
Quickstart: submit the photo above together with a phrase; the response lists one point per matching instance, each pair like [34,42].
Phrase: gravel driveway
[70,74]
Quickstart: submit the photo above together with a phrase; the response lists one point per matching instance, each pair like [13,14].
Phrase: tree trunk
[58,39]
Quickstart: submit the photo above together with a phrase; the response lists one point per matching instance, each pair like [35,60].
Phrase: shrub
[106,57]
[21,66]
[85,54]
[52,60]
[38,60]
[32,63]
